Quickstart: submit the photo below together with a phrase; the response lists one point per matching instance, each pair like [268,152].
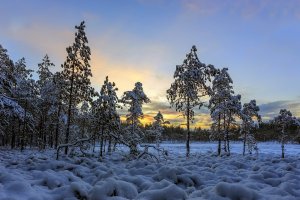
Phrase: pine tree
[77,73]
[157,128]
[106,114]
[25,91]
[58,106]
[284,120]
[189,88]
[249,111]
[10,109]
[135,99]
[47,91]
[223,106]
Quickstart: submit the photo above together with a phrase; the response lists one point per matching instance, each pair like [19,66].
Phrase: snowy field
[37,175]
[236,147]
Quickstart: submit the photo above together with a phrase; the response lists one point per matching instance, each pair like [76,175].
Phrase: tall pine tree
[189,88]
[77,73]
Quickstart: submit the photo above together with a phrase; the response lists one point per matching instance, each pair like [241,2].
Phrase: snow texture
[37,175]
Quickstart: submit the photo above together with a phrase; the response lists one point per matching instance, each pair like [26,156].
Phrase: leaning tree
[189,88]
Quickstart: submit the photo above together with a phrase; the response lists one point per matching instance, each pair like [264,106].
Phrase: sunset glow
[142,40]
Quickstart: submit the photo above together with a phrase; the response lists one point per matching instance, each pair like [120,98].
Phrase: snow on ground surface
[37,175]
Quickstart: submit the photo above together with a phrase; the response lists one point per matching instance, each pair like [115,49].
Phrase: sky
[144,40]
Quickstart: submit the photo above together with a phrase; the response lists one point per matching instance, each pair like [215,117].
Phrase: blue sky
[143,40]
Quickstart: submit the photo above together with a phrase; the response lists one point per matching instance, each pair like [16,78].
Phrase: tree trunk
[94,140]
[224,129]
[282,143]
[57,126]
[24,128]
[188,129]
[219,135]
[227,133]
[244,146]
[13,136]
[109,145]
[69,111]
[101,143]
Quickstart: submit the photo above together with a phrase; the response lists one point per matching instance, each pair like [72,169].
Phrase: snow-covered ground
[37,175]
[236,147]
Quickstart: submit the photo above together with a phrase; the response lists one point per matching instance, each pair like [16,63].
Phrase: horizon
[144,41]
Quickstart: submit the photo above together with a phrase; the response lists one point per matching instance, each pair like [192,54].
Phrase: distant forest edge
[61,110]
[265,132]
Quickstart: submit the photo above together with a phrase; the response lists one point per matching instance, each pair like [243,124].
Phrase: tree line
[62,107]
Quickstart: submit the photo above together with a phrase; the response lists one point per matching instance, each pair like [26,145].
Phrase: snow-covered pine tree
[189,88]
[247,115]
[44,72]
[106,115]
[234,106]
[58,106]
[156,128]
[77,73]
[283,121]
[47,99]
[222,105]
[135,100]
[25,92]
[10,109]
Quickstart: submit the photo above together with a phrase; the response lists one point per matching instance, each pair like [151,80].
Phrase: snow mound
[235,191]
[113,188]
[170,192]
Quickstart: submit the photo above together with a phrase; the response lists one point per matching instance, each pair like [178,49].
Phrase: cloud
[247,9]
[40,39]
[269,110]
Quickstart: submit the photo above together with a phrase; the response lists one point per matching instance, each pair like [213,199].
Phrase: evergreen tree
[249,111]
[47,99]
[157,128]
[189,88]
[135,99]
[10,109]
[58,106]
[77,73]
[283,121]
[223,106]
[106,113]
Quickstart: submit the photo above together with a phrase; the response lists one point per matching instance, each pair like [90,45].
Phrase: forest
[61,109]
